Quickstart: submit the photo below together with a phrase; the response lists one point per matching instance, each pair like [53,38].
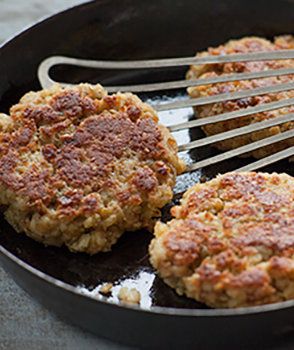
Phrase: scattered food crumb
[203,178]
[106,288]
[129,296]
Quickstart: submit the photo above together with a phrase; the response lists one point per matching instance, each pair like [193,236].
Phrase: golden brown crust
[231,242]
[80,167]
[250,44]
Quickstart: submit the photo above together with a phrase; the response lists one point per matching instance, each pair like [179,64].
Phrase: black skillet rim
[154,309]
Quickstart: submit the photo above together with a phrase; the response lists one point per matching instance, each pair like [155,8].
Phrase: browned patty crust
[79,167]
[245,45]
[231,242]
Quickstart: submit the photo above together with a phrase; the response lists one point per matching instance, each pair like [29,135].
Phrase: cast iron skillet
[129,29]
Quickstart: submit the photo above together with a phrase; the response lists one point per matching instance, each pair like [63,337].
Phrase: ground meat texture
[245,45]
[231,241]
[79,167]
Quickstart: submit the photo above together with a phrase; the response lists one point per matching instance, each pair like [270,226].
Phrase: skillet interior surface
[152,30]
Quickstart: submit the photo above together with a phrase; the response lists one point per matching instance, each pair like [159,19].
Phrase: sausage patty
[245,45]
[231,242]
[79,167]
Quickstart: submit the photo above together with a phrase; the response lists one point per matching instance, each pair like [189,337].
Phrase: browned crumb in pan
[79,167]
[245,45]
[129,295]
[106,288]
[231,242]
